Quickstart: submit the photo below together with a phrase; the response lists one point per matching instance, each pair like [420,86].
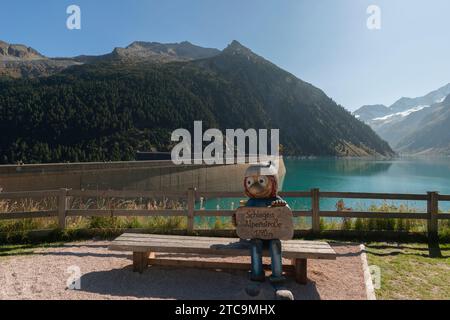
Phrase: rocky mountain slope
[15,52]
[404,119]
[19,61]
[434,133]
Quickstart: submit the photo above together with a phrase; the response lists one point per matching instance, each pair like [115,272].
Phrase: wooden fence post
[62,208]
[433,211]
[191,207]
[315,208]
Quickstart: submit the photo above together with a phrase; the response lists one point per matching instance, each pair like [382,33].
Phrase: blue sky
[324,42]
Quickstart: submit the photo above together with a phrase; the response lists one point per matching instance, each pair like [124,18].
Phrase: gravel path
[108,275]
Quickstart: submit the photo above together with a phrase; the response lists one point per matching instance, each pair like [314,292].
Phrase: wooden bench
[145,246]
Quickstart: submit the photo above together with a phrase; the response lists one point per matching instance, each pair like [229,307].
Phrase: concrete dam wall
[136,175]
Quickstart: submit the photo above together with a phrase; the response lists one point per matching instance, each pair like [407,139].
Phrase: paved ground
[108,275]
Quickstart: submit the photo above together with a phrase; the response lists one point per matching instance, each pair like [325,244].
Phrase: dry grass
[27,205]
[362,224]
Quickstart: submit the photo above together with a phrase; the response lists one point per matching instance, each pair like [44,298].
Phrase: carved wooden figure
[265,220]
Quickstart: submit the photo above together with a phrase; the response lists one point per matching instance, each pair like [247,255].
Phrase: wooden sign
[265,223]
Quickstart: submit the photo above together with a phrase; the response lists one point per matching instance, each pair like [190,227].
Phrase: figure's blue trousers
[257,247]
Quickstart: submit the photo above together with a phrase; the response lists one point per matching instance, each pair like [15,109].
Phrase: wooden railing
[63,210]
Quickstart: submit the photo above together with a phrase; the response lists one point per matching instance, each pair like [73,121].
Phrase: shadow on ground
[179,284]
[433,250]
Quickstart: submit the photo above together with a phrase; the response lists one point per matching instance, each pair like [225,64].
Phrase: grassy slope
[408,271]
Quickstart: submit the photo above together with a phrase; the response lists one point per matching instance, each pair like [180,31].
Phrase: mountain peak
[235,47]
[236,44]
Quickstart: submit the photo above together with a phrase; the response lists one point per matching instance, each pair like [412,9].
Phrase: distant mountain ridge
[154,51]
[406,120]
[371,112]
[19,61]
[427,100]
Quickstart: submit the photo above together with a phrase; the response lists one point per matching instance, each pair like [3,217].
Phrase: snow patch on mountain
[394,116]
[441,100]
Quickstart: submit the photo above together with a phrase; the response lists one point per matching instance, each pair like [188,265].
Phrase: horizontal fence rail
[191,196]
[374,196]
[29,195]
[28,215]
[373,215]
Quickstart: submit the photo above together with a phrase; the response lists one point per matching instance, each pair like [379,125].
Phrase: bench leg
[301,270]
[140,261]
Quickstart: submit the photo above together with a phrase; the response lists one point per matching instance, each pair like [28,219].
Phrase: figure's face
[260,186]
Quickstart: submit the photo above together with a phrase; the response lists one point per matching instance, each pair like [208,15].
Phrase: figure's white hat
[262,169]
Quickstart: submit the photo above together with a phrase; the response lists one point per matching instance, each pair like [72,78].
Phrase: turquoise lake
[405,175]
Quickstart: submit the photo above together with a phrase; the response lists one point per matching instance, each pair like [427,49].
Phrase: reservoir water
[403,175]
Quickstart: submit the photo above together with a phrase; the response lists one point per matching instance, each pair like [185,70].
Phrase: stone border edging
[370,291]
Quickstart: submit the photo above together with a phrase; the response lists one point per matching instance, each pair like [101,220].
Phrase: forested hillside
[109,110]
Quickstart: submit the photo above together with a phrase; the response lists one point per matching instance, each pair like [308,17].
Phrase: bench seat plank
[195,242]
[292,249]
[289,249]
[134,237]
